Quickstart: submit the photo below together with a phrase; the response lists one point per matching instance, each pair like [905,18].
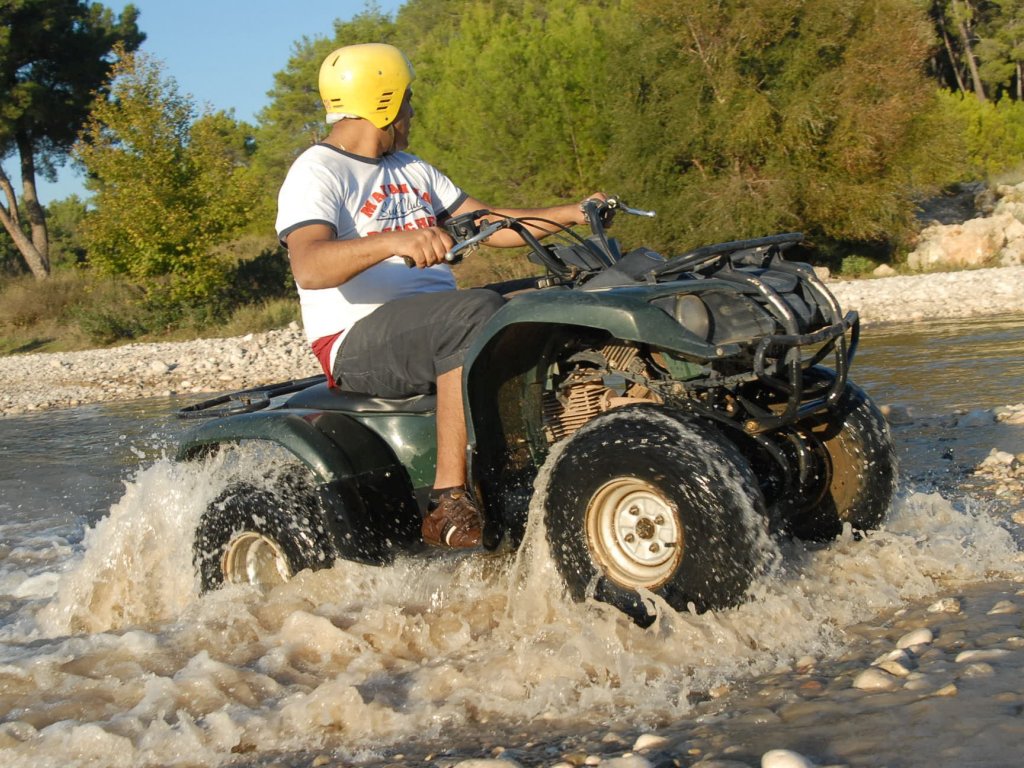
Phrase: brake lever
[470,244]
[617,205]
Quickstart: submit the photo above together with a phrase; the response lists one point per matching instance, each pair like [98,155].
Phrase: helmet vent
[385,100]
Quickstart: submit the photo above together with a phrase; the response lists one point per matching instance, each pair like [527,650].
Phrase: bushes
[993,134]
[77,308]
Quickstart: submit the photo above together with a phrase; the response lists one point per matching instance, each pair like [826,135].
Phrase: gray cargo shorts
[403,346]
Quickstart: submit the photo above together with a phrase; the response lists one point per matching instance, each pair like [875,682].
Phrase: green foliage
[765,115]
[992,134]
[517,104]
[64,220]
[168,187]
[857,266]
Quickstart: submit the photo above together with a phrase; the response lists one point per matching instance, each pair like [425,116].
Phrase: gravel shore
[35,382]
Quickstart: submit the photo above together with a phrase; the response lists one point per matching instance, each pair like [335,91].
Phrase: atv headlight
[719,318]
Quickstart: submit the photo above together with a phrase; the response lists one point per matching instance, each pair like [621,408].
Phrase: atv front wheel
[861,472]
[645,499]
[259,537]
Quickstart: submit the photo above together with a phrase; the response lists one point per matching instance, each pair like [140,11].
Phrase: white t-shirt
[360,197]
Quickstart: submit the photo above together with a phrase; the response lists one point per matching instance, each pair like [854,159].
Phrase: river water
[108,657]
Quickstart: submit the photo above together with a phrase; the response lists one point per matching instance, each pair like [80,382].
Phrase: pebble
[1003,607]
[981,654]
[945,605]
[649,741]
[784,758]
[921,636]
[875,679]
[39,381]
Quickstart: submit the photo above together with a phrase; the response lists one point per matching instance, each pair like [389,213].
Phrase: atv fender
[363,487]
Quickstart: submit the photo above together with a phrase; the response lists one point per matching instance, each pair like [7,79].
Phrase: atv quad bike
[681,408]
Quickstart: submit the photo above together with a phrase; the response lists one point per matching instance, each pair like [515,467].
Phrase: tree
[754,116]
[168,185]
[1001,49]
[518,105]
[54,55]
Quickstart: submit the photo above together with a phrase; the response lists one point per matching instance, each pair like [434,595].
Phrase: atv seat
[320,397]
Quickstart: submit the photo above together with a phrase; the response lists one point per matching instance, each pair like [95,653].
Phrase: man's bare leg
[453,519]
[451,431]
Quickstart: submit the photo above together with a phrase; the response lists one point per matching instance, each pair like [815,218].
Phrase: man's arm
[319,260]
[569,215]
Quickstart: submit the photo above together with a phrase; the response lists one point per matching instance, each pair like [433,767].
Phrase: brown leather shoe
[453,521]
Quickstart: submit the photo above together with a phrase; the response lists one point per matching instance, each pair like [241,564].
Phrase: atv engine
[594,381]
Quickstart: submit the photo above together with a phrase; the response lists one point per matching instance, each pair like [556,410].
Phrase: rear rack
[246,400]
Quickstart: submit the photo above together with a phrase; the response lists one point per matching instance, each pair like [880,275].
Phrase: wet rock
[626,761]
[921,636]
[875,679]
[945,605]
[1003,607]
[979,669]
[897,414]
[649,741]
[979,417]
[784,758]
[981,654]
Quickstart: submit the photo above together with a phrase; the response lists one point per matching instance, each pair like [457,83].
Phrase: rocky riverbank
[34,382]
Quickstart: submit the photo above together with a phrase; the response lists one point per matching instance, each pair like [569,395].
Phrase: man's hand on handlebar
[421,248]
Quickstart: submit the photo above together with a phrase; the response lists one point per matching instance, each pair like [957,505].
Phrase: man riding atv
[356,212]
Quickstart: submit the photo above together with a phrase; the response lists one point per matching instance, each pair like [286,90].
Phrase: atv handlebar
[468,230]
[487,229]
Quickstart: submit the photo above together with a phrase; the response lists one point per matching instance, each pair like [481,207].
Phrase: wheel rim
[634,533]
[252,558]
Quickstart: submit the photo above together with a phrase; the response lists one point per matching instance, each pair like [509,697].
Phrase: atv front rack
[784,349]
[246,400]
[797,405]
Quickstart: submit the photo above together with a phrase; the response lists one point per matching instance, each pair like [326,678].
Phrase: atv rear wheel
[645,499]
[860,475]
[254,536]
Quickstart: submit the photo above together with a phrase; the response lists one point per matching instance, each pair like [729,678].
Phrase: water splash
[129,666]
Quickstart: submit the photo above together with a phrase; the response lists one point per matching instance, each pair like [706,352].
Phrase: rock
[975,243]
[896,414]
[979,417]
[921,636]
[895,668]
[981,655]
[875,679]
[1003,607]
[978,669]
[945,605]
[883,270]
[649,741]
[626,761]
[784,758]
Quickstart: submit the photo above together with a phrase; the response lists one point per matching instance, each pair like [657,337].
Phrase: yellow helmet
[367,80]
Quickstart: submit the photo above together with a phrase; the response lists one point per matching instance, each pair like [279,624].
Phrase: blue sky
[222,52]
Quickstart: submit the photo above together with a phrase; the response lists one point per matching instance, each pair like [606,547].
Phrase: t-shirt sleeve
[448,196]
[310,195]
